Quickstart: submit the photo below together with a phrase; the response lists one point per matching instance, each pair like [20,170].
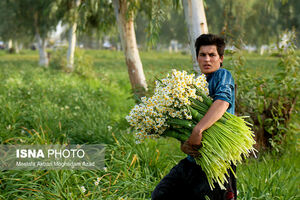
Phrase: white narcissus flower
[171,95]
[83,189]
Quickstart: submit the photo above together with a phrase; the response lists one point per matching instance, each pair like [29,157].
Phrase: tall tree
[197,25]
[72,34]
[96,19]
[83,16]
[125,13]
[12,27]
[40,18]
[34,19]
[68,11]
[125,21]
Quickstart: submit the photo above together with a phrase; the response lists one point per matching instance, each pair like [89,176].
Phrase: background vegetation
[41,105]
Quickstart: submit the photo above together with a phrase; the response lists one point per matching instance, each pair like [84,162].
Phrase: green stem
[181,122]
[174,134]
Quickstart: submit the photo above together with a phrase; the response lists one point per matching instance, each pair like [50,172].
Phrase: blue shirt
[221,86]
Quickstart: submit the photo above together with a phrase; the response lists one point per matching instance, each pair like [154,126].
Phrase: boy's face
[208,59]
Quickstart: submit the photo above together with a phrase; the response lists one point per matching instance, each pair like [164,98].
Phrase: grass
[58,103]
[271,175]
[49,106]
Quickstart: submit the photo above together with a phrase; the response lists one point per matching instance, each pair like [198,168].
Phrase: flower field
[43,106]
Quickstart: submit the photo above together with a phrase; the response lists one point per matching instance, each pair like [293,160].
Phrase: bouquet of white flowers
[178,104]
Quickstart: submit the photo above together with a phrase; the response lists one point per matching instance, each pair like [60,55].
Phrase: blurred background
[255,25]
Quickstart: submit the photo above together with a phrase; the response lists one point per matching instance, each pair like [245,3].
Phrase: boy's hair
[210,39]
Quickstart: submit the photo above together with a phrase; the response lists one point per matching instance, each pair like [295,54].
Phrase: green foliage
[174,28]
[58,59]
[21,21]
[57,103]
[90,15]
[270,177]
[255,22]
[270,101]
[149,17]
[37,17]
[83,63]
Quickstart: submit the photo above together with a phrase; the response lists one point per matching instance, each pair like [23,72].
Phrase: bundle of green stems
[226,142]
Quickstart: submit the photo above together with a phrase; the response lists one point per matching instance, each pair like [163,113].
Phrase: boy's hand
[196,136]
[189,149]
[192,145]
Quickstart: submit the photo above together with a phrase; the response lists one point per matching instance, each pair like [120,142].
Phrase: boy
[187,180]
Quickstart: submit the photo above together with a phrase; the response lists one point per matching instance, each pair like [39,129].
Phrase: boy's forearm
[214,113]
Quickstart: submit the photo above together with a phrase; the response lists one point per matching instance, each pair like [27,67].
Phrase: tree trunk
[9,44]
[42,43]
[16,46]
[129,45]
[71,49]
[196,21]
[72,40]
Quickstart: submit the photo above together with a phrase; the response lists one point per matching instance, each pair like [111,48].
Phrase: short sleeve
[224,88]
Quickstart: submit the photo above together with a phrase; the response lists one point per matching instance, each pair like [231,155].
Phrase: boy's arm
[214,113]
